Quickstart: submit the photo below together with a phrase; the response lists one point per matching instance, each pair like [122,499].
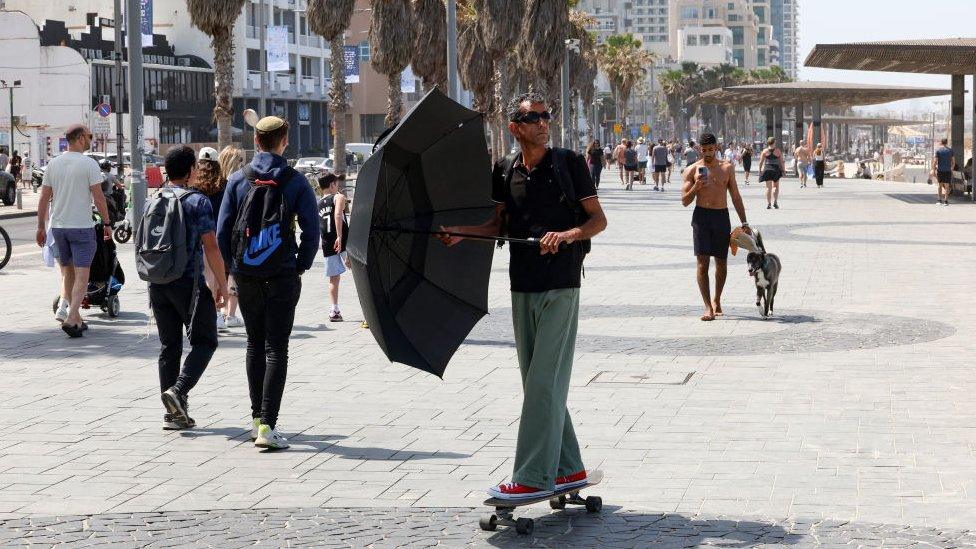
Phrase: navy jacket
[299,198]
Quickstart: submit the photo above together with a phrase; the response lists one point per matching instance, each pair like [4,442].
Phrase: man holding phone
[708,182]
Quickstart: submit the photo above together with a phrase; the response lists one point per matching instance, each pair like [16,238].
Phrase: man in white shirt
[643,151]
[72,182]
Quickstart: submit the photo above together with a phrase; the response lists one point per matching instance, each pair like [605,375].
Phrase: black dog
[765,268]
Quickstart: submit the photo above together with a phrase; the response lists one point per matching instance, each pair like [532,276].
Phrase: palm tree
[390,33]
[582,64]
[430,43]
[673,85]
[542,45]
[500,26]
[623,60]
[330,19]
[477,68]
[216,19]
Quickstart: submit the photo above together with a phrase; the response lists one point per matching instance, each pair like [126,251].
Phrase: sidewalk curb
[17,215]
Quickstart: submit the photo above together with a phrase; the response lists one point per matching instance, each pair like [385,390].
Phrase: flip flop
[707,318]
[72,331]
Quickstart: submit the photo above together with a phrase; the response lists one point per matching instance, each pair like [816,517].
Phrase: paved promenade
[847,418]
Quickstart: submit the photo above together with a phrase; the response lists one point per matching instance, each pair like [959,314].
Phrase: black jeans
[268,306]
[173,308]
[818,172]
[595,171]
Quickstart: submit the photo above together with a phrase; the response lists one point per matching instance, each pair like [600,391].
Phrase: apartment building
[786,33]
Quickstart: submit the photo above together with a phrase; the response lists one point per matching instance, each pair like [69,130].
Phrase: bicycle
[6,250]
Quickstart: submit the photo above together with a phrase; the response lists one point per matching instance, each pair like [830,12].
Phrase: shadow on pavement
[616,528]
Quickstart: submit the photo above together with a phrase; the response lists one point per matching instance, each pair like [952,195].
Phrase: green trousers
[545,336]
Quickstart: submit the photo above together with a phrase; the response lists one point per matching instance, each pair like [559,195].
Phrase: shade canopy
[932,56]
[828,93]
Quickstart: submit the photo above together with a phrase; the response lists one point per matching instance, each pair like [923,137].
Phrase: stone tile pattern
[453,527]
[855,403]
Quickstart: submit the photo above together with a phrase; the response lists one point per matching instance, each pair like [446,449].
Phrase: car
[314,164]
[8,188]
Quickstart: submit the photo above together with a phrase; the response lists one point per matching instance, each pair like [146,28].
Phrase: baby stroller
[105,279]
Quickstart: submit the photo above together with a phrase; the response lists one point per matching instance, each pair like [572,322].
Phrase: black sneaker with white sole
[176,405]
[170,424]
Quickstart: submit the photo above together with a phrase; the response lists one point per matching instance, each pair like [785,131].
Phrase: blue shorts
[76,247]
[334,265]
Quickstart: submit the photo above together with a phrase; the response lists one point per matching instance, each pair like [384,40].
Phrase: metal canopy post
[770,123]
[817,122]
[778,124]
[972,175]
[797,124]
[958,95]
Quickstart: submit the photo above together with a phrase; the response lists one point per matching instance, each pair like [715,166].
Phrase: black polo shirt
[534,205]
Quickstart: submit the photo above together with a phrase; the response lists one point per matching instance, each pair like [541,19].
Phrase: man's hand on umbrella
[447,239]
[550,242]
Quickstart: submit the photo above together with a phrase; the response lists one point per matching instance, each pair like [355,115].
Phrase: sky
[832,21]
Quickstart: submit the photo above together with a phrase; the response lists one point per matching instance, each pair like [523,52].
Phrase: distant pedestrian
[643,152]
[618,157]
[187,302]
[594,159]
[819,164]
[231,160]
[257,237]
[16,165]
[691,153]
[607,156]
[747,161]
[630,165]
[771,170]
[802,155]
[334,227]
[660,157]
[942,165]
[72,183]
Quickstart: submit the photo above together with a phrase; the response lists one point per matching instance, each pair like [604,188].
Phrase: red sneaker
[516,491]
[571,481]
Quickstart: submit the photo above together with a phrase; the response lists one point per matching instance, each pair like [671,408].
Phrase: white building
[705,45]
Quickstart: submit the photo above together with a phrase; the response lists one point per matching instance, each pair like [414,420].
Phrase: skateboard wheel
[558,503]
[524,526]
[488,523]
[594,504]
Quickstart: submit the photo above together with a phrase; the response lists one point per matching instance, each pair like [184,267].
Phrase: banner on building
[351,58]
[277,46]
[146,22]
[408,80]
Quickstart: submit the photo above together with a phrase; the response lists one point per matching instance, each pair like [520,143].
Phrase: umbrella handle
[528,241]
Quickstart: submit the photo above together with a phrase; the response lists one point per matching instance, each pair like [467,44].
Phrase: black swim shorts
[711,229]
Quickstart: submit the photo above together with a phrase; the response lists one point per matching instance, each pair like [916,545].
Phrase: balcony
[309,85]
[284,83]
[253,80]
[252,32]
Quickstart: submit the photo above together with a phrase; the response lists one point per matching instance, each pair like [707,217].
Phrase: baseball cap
[208,153]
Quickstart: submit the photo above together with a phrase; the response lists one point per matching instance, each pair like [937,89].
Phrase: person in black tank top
[335,232]
[771,170]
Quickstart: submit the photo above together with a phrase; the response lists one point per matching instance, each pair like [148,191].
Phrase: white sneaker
[62,314]
[270,438]
[221,323]
[233,322]
[255,424]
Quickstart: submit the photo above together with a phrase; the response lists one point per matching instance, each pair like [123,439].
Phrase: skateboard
[504,509]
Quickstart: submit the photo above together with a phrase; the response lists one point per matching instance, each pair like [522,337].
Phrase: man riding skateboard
[707,182]
[543,193]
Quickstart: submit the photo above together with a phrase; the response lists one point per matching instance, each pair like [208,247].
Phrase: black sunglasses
[533,117]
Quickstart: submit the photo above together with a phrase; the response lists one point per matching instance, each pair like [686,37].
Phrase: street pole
[10,93]
[564,100]
[452,77]
[119,135]
[136,106]
[262,38]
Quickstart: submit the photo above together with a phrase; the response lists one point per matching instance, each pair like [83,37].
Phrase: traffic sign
[101,124]
[617,128]
[103,109]
[644,129]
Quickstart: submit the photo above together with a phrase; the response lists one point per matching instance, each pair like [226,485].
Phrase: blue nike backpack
[263,233]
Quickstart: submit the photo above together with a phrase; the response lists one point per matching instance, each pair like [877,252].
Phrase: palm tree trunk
[223,46]
[337,96]
[395,100]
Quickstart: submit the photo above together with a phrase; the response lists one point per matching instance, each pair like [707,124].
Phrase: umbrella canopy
[420,298]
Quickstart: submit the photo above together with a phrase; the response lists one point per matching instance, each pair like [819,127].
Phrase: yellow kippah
[269,124]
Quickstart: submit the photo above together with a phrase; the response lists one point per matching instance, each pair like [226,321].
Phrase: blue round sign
[104,109]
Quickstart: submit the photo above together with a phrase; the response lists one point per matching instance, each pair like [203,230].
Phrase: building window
[689,12]
[704,41]
[737,36]
[692,40]
[363,51]
[253,60]
[716,39]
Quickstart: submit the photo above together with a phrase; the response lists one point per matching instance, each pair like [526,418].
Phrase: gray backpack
[162,239]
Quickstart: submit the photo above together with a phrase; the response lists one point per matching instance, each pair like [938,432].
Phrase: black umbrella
[420,298]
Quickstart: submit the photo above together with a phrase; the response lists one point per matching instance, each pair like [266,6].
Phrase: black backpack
[560,166]
[162,238]
[260,241]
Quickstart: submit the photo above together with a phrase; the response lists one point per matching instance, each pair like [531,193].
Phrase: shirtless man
[709,189]
[803,155]
[618,157]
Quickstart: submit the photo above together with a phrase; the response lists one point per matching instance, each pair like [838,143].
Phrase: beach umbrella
[419,297]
